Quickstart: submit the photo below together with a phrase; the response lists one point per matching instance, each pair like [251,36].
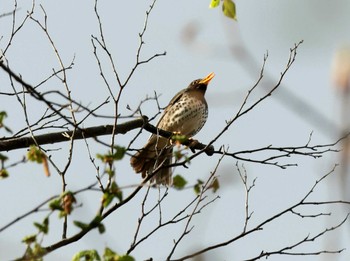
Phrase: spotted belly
[187,117]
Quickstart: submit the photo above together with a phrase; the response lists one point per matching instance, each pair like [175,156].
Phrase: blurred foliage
[64,204]
[228,7]
[108,255]
[111,157]
[112,192]
[35,154]
[3,115]
[198,186]
[34,250]
[179,182]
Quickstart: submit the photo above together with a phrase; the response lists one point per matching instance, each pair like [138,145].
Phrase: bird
[186,114]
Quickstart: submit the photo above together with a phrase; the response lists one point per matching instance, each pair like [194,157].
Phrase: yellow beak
[207,78]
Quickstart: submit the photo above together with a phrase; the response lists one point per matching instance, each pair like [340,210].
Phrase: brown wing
[171,103]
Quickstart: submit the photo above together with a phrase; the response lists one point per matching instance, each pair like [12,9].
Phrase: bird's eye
[195,82]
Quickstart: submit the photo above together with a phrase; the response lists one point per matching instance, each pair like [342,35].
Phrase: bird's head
[201,84]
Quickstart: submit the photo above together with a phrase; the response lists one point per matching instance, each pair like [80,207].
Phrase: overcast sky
[198,40]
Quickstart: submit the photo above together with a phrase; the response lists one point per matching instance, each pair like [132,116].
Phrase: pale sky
[263,26]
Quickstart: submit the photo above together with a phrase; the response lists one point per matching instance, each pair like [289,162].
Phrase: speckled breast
[187,116]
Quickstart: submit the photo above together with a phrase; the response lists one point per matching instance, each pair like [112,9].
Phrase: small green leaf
[229,9]
[87,255]
[107,199]
[126,258]
[35,154]
[3,174]
[214,3]
[101,228]
[120,152]
[38,250]
[116,191]
[215,185]
[198,187]
[44,227]
[3,115]
[29,239]
[3,157]
[111,193]
[179,182]
[80,224]
[97,220]
[110,172]
[55,204]
[109,255]
[109,157]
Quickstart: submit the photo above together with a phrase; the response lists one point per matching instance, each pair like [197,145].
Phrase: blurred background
[313,98]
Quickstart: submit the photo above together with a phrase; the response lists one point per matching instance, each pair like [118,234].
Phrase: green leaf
[126,258]
[198,187]
[214,3]
[97,220]
[55,204]
[43,227]
[109,157]
[3,157]
[110,172]
[3,115]
[38,250]
[29,239]
[35,154]
[107,199]
[179,182]
[229,9]
[116,191]
[215,185]
[120,152]
[4,174]
[80,224]
[109,255]
[87,255]
[101,228]
[111,193]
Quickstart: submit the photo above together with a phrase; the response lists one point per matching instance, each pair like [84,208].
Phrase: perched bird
[186,114]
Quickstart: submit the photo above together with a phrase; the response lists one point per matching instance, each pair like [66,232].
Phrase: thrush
[186,114]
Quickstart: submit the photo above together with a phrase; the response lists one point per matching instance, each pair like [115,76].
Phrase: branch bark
[83,133]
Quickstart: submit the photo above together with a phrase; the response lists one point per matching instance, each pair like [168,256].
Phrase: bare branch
[273,218]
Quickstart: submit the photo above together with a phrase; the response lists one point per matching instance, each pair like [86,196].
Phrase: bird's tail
[157,152]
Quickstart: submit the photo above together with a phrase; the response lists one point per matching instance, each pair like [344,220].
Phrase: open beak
[207,78]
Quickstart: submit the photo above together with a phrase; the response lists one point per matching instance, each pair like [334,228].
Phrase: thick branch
[51,138]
